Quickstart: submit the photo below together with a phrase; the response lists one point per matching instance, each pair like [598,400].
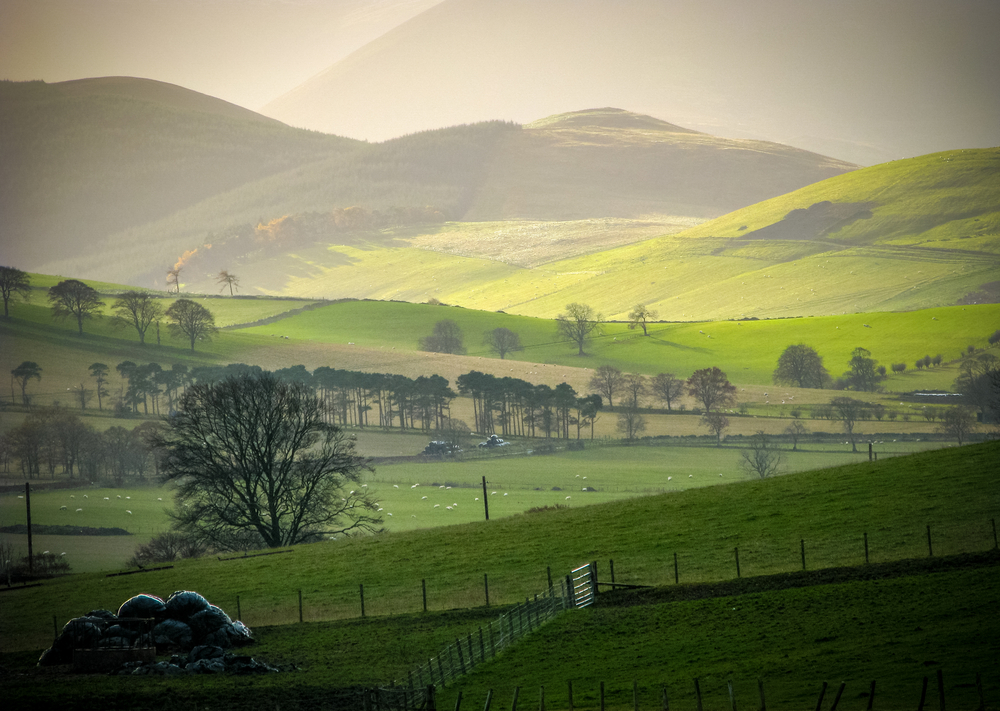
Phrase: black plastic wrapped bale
[78,633]
[239,634]
[173,633]
[207,623]
[183,604]
[103,614]
[143,606]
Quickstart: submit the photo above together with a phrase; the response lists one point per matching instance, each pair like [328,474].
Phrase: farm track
[799,579]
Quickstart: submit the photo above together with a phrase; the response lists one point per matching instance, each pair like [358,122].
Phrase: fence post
[441,671]
[871,697]
[486,586]
[677,579]
[472,653]
[239,612]
[866,547]
[611,565]
[923,695]
[461,657]
[836,699]
[489,699]
[300,606]
[697,693]
[482,646]
[570,593]
[541,698]
[548,572]
[666,699]
[760,688]
[362,590]
[822,693]
[431,701]
[930,548]
[737,552]
[569,685]
[940,683]
[994,522]
[732,696]
[513,703]
[423,587]
[803,545]
[593,577]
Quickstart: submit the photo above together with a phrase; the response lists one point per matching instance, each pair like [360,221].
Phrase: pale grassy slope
[932,236]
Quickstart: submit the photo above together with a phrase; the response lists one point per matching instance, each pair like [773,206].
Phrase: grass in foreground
[955,491]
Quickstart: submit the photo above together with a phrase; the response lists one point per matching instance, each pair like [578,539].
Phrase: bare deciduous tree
[607,382]
[640,316]
[191,320]
[502,341]
[717,423]
[137,309]
[76,299]
[711,388]
[228,279]
[14,284]
[958,423]
[446,338]
[577,324]
[252,454]
[761,457]
[667,387]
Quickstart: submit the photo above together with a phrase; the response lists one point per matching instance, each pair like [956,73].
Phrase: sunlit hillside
[910,234]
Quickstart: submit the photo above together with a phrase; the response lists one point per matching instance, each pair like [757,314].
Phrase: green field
[892,630]
[955,491]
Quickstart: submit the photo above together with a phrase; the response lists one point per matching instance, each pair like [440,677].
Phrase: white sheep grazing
[79,509]
[424,497]
[568,498]
[128,512]
[437,505]
[669,478]
[62,508]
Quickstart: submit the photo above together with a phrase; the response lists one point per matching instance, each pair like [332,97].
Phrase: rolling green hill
[88,158]
[904,235]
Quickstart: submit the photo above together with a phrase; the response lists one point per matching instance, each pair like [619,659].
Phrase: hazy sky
[863,80]
[244,51]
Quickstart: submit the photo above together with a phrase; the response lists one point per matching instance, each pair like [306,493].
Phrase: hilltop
[89,158]
[146,171]
[778,71]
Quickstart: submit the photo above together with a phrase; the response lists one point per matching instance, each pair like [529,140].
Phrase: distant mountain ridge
[145,171]
[864,80]
[84,159]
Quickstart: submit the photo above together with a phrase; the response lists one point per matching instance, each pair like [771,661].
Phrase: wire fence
[460,657]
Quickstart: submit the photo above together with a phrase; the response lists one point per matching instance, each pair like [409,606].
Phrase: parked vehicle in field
[440,448]
[493,441]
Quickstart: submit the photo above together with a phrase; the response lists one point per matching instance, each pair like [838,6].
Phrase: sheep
[505,493]
[79,510]
[424,497]
[62,508]
[669,478]
[128,512]
[437,505]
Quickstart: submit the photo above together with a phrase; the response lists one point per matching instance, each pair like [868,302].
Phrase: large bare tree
[138,309]
[502,341]
[667,387]
[578,323]
[253,456]
[191,320]
[711,388]
[76,299]
[14,284]
[607,382]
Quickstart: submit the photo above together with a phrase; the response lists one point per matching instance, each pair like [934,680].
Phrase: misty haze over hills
[859,80]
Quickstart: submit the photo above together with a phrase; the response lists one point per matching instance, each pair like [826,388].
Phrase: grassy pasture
[955,491]
[794,639]
[747,350]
